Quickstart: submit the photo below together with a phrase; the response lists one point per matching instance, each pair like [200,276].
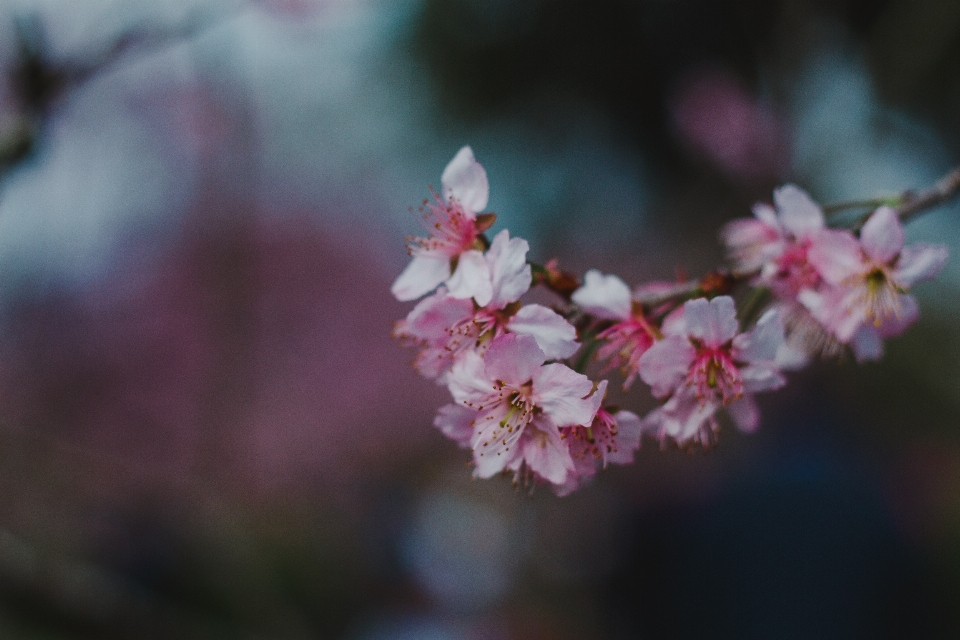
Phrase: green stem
[752,306]
[589,348]
[891,201]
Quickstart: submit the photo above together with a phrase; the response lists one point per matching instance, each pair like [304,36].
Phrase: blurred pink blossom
[720,120]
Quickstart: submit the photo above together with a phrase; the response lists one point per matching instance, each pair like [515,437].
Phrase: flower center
[882,297]
[519,406]
[451,230]
[715,375]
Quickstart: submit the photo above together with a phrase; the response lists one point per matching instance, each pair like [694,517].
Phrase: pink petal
[767,215]
[792,357]
[882,235]
[456,422]
[494,447]
[629,433]
[751,243]
[907,314]
[510,274]
[714,322]
[554,335]
[665,365]
[432,316]
[866,344]
[468,382]
[432,362]
[745,414]
[836,255]
[562,393]
[472,278]
[513,359]
[761,377]
[572,483]
[545,452]
[841,310]
[920,262]
[603,296]
[466,180]
[421,276]
[683,418]
[799,214]
[673,324]
[761,343]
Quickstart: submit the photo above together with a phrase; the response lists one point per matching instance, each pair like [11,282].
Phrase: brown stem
[914,203]
[714,283]
[945,189]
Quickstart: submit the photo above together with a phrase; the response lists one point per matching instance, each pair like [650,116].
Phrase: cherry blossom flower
[775,244]
[709,364]
[775,241]
[452,253]
[446,326]
[519,405]
[608,297]
[864,294]
[611,438]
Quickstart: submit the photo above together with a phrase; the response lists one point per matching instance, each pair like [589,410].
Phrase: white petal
[556,336]
[799,214]
[603,296]
[421,276]
[665,365]
[466,180]
[561,392]
[510,275]
[882,235]
[472,278]
[920,262]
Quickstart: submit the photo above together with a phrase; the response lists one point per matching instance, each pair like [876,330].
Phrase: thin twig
[945,189]
[869,203]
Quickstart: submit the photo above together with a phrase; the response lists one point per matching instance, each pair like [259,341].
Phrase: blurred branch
[39,83]
[915,203]
[908,204]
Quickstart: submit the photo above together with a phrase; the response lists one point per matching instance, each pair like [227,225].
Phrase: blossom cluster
[521,401]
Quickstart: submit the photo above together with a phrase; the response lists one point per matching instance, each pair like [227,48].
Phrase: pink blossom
[709,364]
[864,294]
[452,253]
[446,326]
[775,244]
[608,297]
[721,120]
[775,241]
[519,405]
[611,438]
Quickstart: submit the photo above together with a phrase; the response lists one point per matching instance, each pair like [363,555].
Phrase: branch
[945,189]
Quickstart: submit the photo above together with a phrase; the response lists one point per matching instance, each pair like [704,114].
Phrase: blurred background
[207,432]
